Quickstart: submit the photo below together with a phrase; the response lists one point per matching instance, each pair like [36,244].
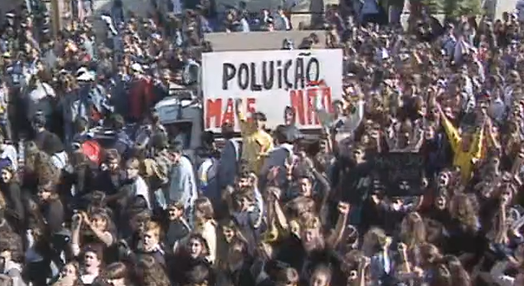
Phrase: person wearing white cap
[141,92]
[40,97]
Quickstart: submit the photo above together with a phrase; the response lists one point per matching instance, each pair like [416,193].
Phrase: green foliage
[434,6]
[456,8]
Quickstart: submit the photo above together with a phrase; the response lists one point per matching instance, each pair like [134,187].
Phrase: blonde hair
[154,227]
[413,230]
[204,205]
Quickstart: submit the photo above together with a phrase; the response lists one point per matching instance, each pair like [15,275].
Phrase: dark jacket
[15,208]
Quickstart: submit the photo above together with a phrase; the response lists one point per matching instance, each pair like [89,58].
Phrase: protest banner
[400,173]
[268,81]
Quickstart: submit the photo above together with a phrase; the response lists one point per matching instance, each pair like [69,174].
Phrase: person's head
[429,254]
[229,229]
[197,246]
[70,270]
[374,240]
[151,236]
[259,120]
[38,121]
[338,107]
[413,230]
[459,275]
[244,198]
[289,115]
[280,134]
[358,153]
[8,174]
[441,200]
[100,220]
[287,277]
[139,221]
[151,272]
[311,235]
[199,275]
[321,276]
[493,162]
[47,192]
[466,140]
[301,207]
[116,274]
[305,186]
[81,125]
[176,150]
[203,210]
[132,168]
[463,208]
[113,160]
[10,247]
[237,252]
[93,258]
[175,211]
[228,130]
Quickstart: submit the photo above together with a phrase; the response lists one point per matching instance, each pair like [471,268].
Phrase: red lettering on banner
[304,103]
[216,116]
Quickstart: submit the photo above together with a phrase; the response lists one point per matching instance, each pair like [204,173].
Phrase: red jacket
[141,97]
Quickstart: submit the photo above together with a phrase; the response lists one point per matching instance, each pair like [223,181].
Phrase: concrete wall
[259,40]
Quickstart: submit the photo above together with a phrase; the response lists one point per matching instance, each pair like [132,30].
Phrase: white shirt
[60,160]
[10,153]
[203,170]
[497,109]
[141,189]
[88,278]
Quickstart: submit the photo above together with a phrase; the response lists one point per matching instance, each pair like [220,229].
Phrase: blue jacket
[182,183]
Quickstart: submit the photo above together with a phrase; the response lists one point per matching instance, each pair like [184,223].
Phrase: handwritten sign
[400,173]
[268,81]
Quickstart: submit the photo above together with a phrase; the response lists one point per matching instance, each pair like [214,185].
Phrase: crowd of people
[271,207]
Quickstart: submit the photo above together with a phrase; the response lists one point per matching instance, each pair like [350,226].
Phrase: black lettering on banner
[279,73]
[299,73]
[400,173]
[267,80]
[243,76]
[228,73]
[287,67]
[267,75]
[314,65]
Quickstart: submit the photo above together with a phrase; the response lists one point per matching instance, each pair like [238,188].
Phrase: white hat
[83,74]
[137,67]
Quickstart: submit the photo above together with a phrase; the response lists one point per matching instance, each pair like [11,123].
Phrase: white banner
[267,82]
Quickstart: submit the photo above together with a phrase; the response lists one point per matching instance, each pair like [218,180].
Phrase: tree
[452,8]
[433,6]
[456,8]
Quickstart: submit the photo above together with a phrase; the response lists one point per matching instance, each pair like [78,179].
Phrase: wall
[259,40]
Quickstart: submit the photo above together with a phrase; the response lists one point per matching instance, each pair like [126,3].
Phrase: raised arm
[335,237]
[477,144]
[244,124]
[451,131]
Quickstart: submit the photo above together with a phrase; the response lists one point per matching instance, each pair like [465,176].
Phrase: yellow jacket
[255,144]
[463,159]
